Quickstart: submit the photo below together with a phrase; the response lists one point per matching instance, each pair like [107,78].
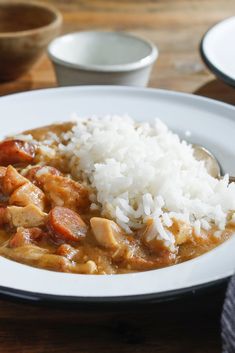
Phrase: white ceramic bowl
[211,124]
[217,50]
[114,58]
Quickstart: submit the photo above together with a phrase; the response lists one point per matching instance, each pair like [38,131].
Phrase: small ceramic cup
[109,58]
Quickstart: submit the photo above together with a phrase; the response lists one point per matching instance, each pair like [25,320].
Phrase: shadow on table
[24,83]
[17,85]
[217,89]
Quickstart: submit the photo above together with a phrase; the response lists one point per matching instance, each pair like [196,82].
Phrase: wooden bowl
[25,31]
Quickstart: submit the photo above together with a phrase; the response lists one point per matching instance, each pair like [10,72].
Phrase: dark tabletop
[187,325]
[190,324]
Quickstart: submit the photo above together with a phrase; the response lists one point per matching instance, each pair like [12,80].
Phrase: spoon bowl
[211,163]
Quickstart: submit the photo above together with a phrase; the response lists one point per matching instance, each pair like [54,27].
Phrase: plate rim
[162,91]
[42,298]
[157,297]
[214,69]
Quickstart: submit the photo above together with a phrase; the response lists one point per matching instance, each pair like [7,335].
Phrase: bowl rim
[56,22]
[116,68]
[206,59]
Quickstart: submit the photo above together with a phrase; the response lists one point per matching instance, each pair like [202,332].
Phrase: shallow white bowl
[115,58]
[211,124]
[218,50]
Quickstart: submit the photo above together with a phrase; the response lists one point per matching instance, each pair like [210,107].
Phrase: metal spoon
[212,165]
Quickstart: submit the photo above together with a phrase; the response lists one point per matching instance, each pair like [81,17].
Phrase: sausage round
[66,225]
[16,152]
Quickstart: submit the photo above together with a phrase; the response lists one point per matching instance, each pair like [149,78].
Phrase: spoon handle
[231,179]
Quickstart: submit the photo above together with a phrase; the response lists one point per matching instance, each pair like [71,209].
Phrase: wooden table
[190,325]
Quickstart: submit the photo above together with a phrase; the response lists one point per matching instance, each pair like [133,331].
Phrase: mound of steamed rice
[141,171]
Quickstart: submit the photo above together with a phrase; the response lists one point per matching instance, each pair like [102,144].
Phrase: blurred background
[175,26]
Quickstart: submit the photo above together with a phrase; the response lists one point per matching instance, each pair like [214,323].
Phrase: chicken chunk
[28,216]
[65,192]
[106,232]
[88,267]
[28,194]
[37,174]
[156,243]
[12,180]
[36,256]
[25,236]
[21,191]
[181,230]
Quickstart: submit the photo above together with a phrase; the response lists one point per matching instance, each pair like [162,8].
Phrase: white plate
[218,50]
[211,123]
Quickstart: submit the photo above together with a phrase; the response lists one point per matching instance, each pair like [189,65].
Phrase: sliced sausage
[16,152]
[66,225]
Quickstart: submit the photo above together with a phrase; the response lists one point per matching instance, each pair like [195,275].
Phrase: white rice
[142,171]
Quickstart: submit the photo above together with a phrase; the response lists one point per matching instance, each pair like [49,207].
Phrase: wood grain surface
[189,325]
